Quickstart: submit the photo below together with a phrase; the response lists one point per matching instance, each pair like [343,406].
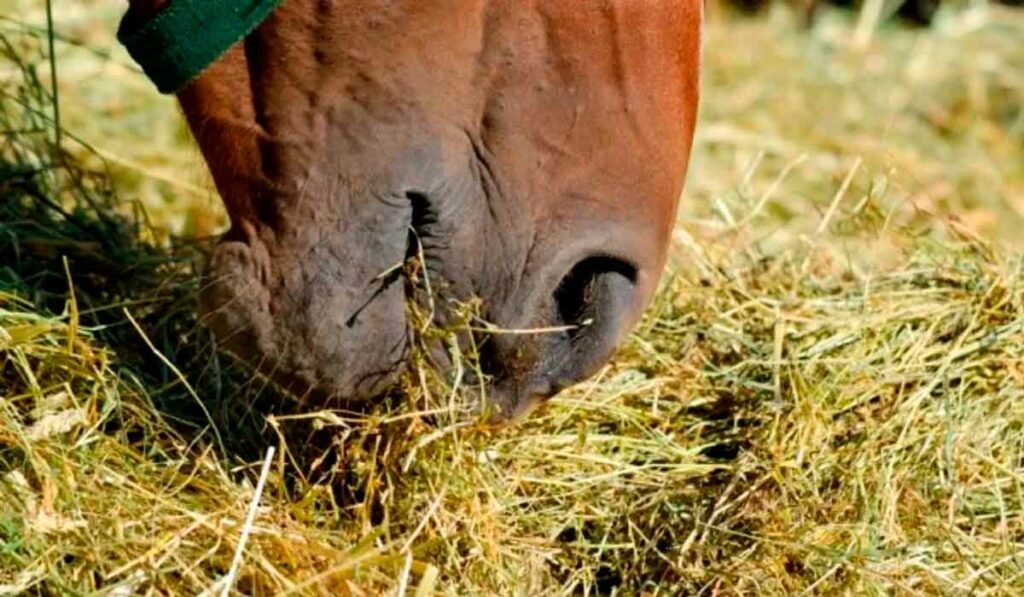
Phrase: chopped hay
[826,395]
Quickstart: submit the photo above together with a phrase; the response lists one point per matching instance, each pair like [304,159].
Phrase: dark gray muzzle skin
[317,305]
[531,155]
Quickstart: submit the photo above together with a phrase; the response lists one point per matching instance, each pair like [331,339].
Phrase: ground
[827,395]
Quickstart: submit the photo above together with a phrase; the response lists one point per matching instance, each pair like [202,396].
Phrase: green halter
[187,36]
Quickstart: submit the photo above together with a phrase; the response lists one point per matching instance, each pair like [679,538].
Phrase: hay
[826,395]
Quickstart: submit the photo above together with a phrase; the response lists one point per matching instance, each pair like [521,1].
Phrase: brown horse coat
[533,150]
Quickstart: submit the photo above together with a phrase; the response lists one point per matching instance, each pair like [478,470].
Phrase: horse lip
[509,404]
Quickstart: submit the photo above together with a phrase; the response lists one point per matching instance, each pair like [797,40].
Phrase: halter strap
[187,36]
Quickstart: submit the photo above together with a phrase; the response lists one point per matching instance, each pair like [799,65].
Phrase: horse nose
[594,302]
[590,311]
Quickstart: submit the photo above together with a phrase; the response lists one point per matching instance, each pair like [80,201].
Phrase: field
[827,395]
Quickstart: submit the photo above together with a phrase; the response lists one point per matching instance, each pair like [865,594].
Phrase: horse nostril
[421,219]
[590,289]
[595,302]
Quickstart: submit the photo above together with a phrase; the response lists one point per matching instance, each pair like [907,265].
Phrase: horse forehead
[461,48]
[587,77]
[596,94]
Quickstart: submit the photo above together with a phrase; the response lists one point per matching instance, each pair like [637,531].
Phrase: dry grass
[827,395]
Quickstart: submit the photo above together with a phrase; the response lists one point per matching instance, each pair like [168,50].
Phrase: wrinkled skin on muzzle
[534,152]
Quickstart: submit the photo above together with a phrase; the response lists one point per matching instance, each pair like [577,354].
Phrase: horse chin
[299,322]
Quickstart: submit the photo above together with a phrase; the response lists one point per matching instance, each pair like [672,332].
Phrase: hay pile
[827,395]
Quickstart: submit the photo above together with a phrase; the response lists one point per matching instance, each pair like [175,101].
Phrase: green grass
[826,396]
